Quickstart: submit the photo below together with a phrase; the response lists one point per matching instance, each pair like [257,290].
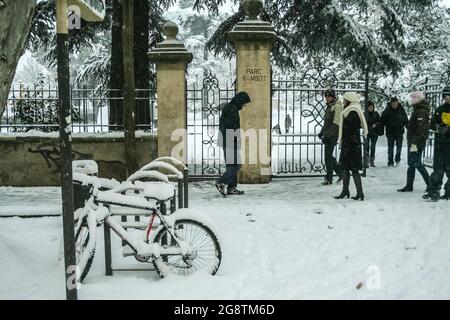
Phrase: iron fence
[433,91]
[204,104]
[298,109]
[36,108]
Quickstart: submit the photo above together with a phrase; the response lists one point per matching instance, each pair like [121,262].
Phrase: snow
[89,167]
[286,240]
[151,174]
[165,167]
[85,135]
[86,180]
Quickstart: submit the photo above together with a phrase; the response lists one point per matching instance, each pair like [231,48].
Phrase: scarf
[357,108]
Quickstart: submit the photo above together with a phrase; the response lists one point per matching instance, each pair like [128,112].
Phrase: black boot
[346,182]
[411,174]
[358,184]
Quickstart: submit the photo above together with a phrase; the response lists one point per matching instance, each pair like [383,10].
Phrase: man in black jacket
[229,126]
[329,135]
[395,120]
[440,125]
[418,132]
[375,126]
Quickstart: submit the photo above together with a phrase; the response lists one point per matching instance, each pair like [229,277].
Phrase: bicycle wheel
[206,253]
[84,251]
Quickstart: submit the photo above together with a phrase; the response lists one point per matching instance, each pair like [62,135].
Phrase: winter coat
[440,124]
[373,118]
[418,125]
[395,121]
[330,129]
[352,120]
[351,152]
[230,119]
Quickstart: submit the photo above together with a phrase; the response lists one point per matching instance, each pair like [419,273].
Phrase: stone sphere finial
[253,8]
[170,30]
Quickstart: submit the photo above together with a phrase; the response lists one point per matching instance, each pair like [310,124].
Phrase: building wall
[29,161]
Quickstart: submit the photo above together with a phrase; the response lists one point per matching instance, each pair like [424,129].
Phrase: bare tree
[15,21]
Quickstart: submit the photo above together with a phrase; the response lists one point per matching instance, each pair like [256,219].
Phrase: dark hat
[446,92]
[330,93]
[393,99]
[370,103]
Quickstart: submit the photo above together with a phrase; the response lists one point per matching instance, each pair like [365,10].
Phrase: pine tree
[363,34]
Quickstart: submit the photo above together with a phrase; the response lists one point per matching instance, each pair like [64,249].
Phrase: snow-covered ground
[286,240]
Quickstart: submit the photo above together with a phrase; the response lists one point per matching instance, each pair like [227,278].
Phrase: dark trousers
[415,163]
[331,163]
[441,165]
[233,166]
[371,145]
[398,142]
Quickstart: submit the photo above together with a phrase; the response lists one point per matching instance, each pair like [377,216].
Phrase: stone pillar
[171,59]
[252,40]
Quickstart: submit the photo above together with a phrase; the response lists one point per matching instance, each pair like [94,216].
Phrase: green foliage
[360,33]
[34,110]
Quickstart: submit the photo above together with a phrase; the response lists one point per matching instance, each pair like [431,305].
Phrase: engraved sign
[254,74]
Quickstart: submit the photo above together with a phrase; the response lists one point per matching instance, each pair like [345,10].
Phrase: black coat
[373,118]
[418,126]
[230,119]
[440,123]
[351,152]
[395,121]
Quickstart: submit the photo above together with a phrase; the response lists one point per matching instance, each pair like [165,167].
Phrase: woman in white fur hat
[352,120]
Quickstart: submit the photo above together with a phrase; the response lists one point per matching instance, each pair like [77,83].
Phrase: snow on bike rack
[164,166]
[138,175]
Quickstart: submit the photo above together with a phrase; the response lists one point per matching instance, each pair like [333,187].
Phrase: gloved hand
[443,130]
[413,148]
[320,135]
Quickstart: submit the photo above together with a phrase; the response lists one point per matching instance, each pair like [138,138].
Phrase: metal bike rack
[178,201]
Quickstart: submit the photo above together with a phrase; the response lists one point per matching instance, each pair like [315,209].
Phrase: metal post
[108,256]
[173,205]
[65,124]
[186,188]
[366,110]
[180,194]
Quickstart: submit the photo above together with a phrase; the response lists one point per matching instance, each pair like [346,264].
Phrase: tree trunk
[15,21]
[141,16]
[141,61]
[129,87]
[116,76]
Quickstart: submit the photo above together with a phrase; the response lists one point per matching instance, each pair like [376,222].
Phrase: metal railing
[36,108]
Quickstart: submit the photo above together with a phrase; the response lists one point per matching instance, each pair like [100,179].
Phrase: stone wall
[28,161]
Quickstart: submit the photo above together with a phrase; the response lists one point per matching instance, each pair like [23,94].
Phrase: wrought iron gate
[298,108]
[433,92]
[205,158]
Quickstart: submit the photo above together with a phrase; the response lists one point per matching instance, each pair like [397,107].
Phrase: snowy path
[286,240]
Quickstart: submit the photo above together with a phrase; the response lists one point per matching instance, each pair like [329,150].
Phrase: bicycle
[182,243]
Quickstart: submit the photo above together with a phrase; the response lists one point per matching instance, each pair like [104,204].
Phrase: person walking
[229,127]
[375,127]
[440,125]
[287,123]
[329,135]
[395,120]
[352,120]
[417,135]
